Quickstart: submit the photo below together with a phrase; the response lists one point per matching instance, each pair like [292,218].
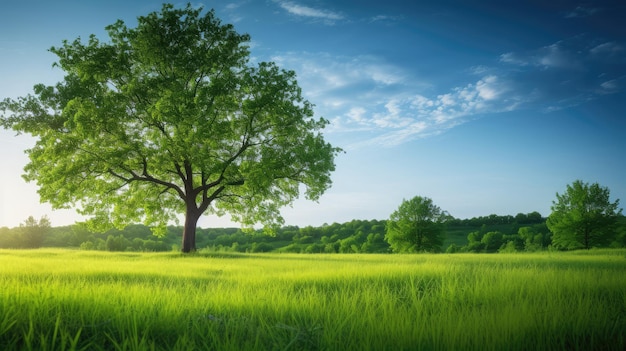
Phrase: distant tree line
[31,234]
[485,234]
[583,217]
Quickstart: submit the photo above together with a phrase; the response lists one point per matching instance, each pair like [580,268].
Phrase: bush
[87,245]
[117,243]
[453,248]
[261,247]
[508,247]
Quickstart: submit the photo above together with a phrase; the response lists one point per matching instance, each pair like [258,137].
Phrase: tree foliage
[169,119]
[583,217]
[417,225]
[31,234]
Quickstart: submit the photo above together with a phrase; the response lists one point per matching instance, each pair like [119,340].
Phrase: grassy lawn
[62,299]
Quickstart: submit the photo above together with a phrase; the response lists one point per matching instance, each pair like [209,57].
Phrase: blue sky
[487,107]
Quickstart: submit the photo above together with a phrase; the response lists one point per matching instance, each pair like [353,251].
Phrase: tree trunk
[189,231]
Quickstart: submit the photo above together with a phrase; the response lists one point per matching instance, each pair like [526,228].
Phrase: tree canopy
[583,216]
[169,119]
[417,225]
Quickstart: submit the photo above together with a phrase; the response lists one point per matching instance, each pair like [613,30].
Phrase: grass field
[85,300]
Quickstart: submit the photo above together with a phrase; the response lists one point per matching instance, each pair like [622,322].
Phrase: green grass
[76,300]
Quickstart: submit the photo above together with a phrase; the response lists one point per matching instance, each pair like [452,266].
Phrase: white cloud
[468,94]
[610,86]
[234,15]
[421,102]
[609,49]
[566,54]
[232,6]
[479,70]
[393,108]
[306,11]
[399,120]
[565,74]
[356,114]
[398,136]
[581,12]
[366,94]
[512,58]
[445,100]
[487,88]
[379,18]
[384,19]
[322,74]
[555,56]
[383,75]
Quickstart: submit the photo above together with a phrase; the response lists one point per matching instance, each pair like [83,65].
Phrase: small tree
[474,241]
[417,225]
[32,233]
[169,119]
[583,217]
[492,241]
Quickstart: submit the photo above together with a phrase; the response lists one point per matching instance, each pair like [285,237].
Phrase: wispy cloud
[514,59]
[232,9]
[612,86]
[608,50]
[384,19]
[377,103]
[327,75]
[479,70]
[560,55]
[569,72]
[404,119]
[581,12]
[577,52]
[306,11]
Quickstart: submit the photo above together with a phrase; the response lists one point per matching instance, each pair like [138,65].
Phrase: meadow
[57,299]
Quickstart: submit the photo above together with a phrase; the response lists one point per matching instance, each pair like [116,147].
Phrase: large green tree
[169,118]
[583,216]
[417,225]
